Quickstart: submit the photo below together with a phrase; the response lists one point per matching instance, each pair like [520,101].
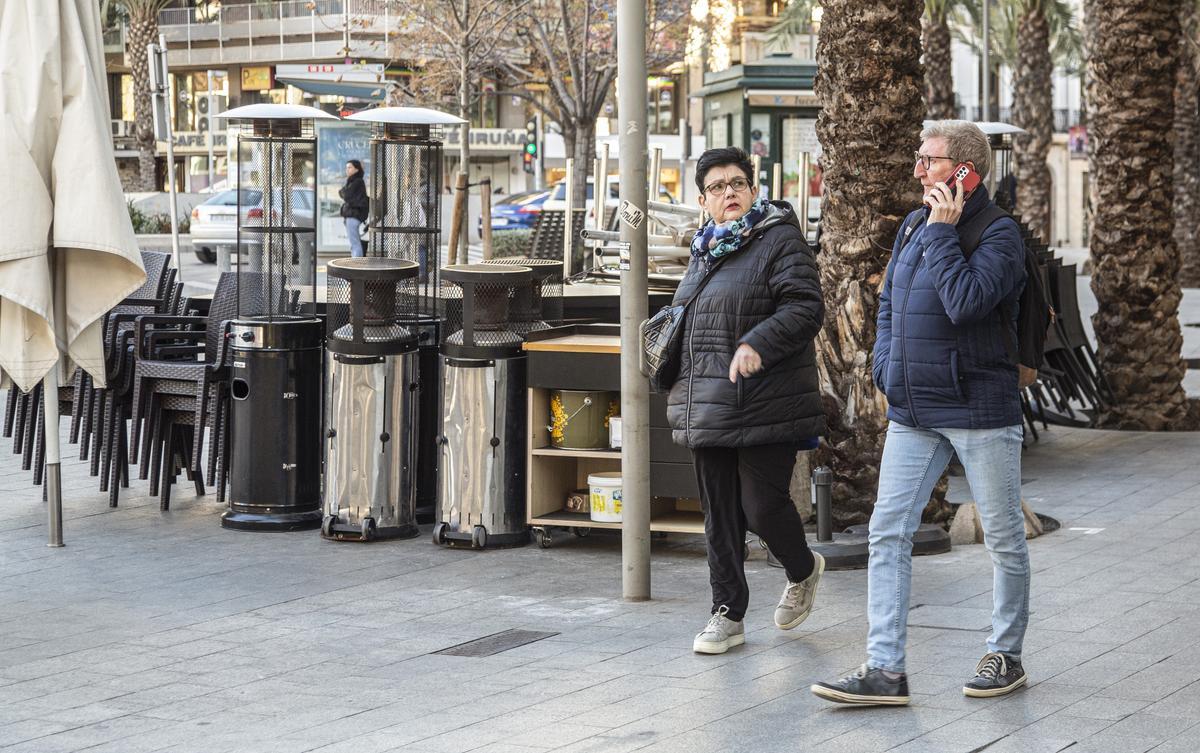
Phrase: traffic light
[531,146]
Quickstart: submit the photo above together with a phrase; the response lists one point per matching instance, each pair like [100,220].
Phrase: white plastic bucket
[605,495]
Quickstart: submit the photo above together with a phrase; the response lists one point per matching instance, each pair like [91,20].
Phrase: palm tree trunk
[1132,61]
[939,73]
[1033,111]
[869,124]
[1187,149]
[143,29]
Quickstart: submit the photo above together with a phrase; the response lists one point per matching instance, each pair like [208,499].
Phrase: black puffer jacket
[354,198]
[768,295]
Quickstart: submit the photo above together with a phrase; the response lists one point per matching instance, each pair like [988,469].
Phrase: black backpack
[1035,312]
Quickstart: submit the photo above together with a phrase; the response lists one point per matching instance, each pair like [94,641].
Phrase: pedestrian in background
[746,397]
[355,205]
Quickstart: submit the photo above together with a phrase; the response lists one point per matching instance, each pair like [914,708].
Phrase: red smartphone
[965,176]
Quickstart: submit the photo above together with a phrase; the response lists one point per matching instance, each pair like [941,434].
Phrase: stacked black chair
[110,406]
[180,390]
[547,240]
[1071,390]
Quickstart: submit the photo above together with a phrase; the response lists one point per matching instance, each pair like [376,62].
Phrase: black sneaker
[996,674]
[868,687]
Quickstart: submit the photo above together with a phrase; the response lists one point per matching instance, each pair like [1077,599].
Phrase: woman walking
[355,204]
[746,398]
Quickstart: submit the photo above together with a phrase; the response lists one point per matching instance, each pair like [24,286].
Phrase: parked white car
[558,195]
[214,223]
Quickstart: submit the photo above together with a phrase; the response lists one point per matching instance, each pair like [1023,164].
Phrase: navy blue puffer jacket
[940,356]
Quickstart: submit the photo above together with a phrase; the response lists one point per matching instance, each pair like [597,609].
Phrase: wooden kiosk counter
[587,357]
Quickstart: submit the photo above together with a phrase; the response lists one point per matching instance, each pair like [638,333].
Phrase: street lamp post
[210,135]
[987,62]
[635,390]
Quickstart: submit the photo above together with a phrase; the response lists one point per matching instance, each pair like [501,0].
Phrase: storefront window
[660,105]
[718,132]
[760,134]
[181,91]
[127,97]
[800,138]
[485,112]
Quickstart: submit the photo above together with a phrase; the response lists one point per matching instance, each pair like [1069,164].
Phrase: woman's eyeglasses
[717,190]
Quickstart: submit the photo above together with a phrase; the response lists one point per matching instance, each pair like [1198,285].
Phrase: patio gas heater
[406,223]
[370,460]
[276,339]
[482,464]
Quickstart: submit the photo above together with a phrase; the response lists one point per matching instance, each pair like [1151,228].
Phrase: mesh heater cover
[371,306]
[276,220]
[484,310]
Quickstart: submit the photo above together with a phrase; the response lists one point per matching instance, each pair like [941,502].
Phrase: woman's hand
[746,362]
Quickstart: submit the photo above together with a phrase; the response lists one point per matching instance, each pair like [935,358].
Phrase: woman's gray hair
[964,143]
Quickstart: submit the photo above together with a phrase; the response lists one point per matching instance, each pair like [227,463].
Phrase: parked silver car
[214,222]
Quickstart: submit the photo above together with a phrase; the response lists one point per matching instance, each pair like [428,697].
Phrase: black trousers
[747,488]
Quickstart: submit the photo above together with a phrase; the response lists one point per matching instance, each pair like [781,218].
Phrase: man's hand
[746,362]
[946,204]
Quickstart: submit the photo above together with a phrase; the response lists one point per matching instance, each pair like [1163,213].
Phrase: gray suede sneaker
[797,600]
[720,634]
[996,674]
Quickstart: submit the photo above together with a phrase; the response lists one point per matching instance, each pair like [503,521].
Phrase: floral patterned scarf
[716,240]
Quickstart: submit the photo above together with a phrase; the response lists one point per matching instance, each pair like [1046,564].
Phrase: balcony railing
[274,32]
[114,39]
[232,14]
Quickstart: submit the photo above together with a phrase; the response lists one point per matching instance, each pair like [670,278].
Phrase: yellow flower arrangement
[614,409]
[558,419]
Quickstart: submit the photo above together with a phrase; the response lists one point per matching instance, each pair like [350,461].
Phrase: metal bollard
[822,494]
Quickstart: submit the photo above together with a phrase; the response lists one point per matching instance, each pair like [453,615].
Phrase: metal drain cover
[490,645]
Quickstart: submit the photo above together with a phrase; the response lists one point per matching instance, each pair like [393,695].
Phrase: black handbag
[661,339]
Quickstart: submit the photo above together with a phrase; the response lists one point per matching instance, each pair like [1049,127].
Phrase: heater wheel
[368,529]
[478,537]
[327,527]
[439,534]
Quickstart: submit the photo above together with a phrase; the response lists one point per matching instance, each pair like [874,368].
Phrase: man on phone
[947,308]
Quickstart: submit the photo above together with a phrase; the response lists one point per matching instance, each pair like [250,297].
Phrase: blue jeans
[352,226]
[913,461]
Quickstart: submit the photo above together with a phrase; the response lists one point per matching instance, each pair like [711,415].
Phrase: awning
[374,91]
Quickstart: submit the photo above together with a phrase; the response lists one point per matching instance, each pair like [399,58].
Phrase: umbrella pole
[53,459]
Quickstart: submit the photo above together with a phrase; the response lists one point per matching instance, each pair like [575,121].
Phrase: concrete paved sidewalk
[161,631]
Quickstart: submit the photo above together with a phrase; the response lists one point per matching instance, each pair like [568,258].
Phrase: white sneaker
[798,598]
[720,634]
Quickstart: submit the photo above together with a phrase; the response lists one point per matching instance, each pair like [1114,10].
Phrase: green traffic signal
[531,148]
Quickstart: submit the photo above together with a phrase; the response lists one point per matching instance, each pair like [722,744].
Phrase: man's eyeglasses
[927,159]
[717,190]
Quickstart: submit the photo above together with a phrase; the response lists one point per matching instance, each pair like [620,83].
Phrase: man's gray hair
[964,143]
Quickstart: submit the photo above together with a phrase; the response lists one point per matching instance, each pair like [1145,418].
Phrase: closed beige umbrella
[67,249]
